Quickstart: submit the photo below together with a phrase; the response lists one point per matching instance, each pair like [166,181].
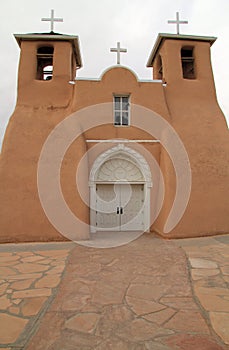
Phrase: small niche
[158,69]
[188,63]
[45,63]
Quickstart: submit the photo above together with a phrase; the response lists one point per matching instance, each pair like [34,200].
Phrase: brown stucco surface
[190,106]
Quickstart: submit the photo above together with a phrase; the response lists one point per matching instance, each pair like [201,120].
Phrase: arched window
[45,63]
[158,68]
[188,63]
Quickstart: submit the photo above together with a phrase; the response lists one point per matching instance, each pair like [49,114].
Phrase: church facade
[115,153]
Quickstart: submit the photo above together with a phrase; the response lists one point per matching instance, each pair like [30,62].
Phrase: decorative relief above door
[119,169]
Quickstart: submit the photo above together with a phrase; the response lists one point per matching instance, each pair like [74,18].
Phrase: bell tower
[47,63]
[183,64]
[182,58]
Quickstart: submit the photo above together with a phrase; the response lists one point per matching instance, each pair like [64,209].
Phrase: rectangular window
[121,110]
[45,63]
[188,63]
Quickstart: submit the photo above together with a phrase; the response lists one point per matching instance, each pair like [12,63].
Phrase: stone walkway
[209,262]
[151,294]
[29,275]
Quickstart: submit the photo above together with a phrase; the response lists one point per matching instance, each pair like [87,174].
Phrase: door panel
[120,207]
[132,217]
[107,202]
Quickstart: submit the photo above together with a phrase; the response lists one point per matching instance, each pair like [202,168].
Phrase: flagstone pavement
[151,294]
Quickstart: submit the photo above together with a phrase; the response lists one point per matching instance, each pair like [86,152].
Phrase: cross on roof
[118,50]
[177,22]
[52,20]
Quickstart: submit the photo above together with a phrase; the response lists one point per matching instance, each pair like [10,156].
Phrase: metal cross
[178,22]
[118,50]
[52,20]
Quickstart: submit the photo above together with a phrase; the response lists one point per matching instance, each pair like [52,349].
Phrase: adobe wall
[56,92]
[189,106]
[21,214]
[200,123]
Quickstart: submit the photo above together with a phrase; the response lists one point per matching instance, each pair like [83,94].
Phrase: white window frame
[121,110]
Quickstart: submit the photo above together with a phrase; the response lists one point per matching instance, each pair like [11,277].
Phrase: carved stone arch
[118,168]
[109,167]
[127,154]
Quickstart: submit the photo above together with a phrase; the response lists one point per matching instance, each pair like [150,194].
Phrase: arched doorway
[120,182]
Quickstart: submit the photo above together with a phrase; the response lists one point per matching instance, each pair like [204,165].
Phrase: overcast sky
[100,24]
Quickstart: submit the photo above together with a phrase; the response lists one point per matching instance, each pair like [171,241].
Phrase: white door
[107,202]
[120,207]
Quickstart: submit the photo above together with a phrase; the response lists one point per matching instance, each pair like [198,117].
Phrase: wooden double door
[120,207]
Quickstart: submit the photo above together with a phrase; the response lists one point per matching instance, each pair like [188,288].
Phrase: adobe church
[115,153]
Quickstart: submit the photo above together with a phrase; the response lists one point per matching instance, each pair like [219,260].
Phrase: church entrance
[120,207]
[120,182]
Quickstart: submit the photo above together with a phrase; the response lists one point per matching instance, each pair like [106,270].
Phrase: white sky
[100,24]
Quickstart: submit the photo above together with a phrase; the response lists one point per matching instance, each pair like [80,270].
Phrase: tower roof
[51,36]
[163,36]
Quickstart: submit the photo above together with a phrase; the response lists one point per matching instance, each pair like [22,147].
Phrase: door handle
[117,210]
[121,210]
